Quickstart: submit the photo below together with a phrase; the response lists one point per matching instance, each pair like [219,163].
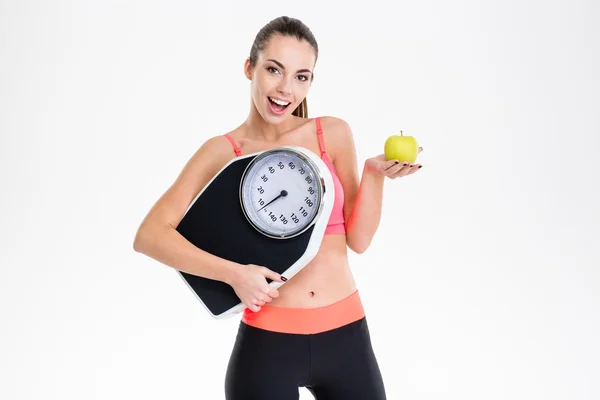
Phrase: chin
[273,118]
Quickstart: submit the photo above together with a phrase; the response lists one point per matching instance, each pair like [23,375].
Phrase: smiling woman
[316,318]
[299,49]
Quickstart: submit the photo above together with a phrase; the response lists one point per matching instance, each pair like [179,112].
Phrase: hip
[313,320]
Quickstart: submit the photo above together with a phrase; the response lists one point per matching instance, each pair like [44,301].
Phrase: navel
[311,294]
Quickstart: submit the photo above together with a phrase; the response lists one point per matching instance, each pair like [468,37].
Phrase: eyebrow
[282,67]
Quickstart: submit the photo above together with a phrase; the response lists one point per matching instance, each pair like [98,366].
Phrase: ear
[248,69]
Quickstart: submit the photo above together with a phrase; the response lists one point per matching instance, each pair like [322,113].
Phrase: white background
[482,282]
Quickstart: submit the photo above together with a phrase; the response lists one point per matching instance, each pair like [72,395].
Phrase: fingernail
[405,164]
[420,166]
[396,162]
[283,278]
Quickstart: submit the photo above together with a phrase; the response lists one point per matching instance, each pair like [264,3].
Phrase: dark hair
[284,26]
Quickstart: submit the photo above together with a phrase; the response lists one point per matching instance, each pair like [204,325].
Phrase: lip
[275,112]
[280,99]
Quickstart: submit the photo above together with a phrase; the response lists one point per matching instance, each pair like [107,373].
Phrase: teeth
[281,103]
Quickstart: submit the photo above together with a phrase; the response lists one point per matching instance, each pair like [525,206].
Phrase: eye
[272,69]
[303,78]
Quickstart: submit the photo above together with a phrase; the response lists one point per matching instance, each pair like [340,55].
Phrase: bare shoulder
[337,134]
[336,128]
[214,152]
[204,163]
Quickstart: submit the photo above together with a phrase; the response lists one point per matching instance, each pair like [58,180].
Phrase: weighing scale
[269,208]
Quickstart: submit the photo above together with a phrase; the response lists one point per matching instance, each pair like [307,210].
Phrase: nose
[284,87]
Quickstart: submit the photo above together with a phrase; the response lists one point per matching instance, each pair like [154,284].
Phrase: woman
[312,331]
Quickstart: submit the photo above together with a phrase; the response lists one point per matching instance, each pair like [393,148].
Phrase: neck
[259,129]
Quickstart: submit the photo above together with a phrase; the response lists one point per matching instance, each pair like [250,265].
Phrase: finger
[253,307]
[397,169]
[411,169]
[401,172]
[408,170]
[258,301]
[273,292]
[389,164]
[415,168]
[420,149]
[271,274]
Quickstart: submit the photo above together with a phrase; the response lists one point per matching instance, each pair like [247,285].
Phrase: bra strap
[320,136]
[237,150]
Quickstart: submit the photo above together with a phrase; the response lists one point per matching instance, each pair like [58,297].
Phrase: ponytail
[302,110]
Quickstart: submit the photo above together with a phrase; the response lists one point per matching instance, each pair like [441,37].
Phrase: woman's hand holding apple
[392,168]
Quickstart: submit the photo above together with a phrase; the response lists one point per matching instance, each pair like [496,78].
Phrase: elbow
[137,245]
[358,246]
[140,239]
[146,236]
[359,249]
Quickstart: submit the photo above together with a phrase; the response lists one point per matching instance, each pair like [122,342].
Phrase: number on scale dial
[281,193]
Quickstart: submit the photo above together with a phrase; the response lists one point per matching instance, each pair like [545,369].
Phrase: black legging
[335,365]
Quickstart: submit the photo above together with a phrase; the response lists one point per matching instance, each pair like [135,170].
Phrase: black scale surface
[216,223]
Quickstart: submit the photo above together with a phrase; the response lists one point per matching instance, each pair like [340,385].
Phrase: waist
[306,320]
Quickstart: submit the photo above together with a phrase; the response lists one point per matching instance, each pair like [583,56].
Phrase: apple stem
[401,133]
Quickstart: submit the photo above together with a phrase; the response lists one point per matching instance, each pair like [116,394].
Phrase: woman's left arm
[363,199]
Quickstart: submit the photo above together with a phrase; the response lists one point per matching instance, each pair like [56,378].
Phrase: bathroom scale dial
[281,193]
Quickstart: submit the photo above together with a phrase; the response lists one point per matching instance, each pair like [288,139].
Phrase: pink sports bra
[336,222]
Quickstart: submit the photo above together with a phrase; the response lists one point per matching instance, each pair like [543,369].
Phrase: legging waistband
[306,320]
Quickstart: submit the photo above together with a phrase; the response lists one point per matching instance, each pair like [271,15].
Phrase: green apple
[401,148]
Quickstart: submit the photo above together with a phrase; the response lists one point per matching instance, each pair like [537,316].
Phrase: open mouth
[278,105]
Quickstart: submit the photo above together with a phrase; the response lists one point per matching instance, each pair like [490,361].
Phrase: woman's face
[283,74]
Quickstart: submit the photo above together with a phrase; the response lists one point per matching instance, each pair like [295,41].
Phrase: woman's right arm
[157,236]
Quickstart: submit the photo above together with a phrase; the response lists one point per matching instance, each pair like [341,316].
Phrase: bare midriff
[325,280]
